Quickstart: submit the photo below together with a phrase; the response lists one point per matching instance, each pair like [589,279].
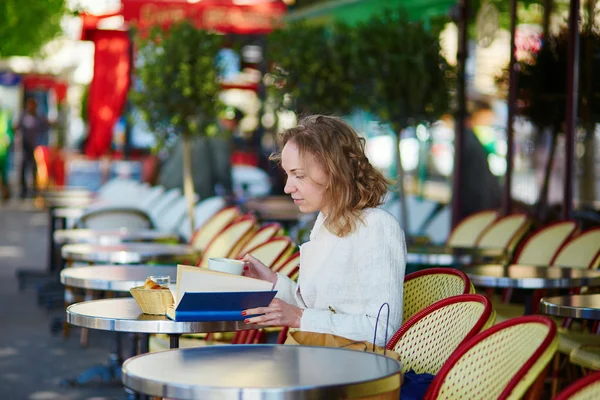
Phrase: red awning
[225,16]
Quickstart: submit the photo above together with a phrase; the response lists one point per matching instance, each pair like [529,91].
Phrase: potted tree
[542,99]
[404,78]
[179,78]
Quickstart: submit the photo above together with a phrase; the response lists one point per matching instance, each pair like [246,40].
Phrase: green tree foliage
[179,79]
[315,65]
[542,85]
[27,26]
[178,75]
[404,78]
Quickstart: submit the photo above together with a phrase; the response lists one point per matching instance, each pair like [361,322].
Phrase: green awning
[352,11]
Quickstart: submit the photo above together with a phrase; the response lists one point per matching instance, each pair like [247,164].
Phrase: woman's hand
[256,269]
[278,313]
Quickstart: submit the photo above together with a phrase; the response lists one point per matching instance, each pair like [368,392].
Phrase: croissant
[150,284]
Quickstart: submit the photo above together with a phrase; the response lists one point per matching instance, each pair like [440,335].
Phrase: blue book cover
[218,306]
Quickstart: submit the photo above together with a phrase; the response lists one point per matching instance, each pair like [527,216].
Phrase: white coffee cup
[228,265]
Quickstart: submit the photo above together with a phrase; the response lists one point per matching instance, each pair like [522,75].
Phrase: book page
[195,279]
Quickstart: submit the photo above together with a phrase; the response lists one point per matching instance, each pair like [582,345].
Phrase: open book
[205,295]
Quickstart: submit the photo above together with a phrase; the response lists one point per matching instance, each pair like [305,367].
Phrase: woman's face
[306,180]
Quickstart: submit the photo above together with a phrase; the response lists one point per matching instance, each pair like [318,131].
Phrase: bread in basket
[152,298]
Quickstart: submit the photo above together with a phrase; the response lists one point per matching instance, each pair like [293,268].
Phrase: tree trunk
[548,5]
[188,182]
[587,182]
[401,189]
[542,204]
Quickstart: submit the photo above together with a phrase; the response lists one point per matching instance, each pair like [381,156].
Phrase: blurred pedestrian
[31,126]
[6,138]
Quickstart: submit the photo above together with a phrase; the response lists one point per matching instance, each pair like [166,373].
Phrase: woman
[355,259]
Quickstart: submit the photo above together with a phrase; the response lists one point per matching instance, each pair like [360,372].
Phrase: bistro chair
[205,234]
[501,362]
[162,203]
[171,218]
[587,388]
[426,287]
[264,234]
[427,339]
[225,243]
[504,233]
[273,252]
[582,251]
[115,218]
[467,231]
[203,211]
[290,266]
[542,246]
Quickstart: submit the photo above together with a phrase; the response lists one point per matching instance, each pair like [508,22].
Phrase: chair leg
[282,335]
[555,369]
[537,388]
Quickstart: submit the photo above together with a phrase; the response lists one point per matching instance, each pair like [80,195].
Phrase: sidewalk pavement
[34,361]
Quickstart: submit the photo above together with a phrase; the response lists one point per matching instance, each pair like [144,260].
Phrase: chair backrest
[115,218]
[150,197]
[162,203]
[203,211]
[265,233]
[213,226]
[581,251]
[427,339]
[426,287]
[587,388]
[542,246]
[272,251]
[171,218]
[499,363]
[290,266]
[234,235]
[467,231]
[505,232]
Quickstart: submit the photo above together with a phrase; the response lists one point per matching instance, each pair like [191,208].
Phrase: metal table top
[128,253]
[68,212]
[451,256]
[68,192]
[584,306]
[531,277]
[116,278]
[111,236]
[124,315]
[261,372]
[53,202]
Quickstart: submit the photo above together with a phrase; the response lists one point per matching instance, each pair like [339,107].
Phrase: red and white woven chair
[273,252]
[502,362]
[264,234]
[427,339]
[467,231]
[231,238]
[505,233]
[426,287]
[203,235]
[587,388]
[542,246]
[581,251]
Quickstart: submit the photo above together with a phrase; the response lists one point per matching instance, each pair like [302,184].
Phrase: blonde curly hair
[353,184]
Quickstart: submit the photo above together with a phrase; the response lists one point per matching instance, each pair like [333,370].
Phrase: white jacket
[344,280]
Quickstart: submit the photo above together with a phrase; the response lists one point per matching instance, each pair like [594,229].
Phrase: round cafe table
[111,236]
[262,372]
[531,278]
[129,253]
[124,315]
[114,278]
[442,256]
[583,306]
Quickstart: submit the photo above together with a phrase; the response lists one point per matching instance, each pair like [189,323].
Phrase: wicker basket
[152,301]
